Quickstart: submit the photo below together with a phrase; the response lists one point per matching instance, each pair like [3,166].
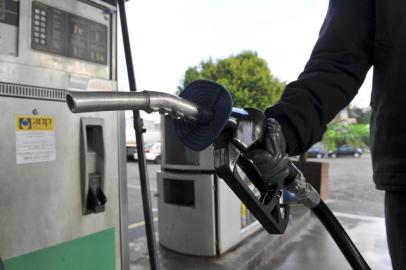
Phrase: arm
[337,67]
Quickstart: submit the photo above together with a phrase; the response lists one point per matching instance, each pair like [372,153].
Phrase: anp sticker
[35,123]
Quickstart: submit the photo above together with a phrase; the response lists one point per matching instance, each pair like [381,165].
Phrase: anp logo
[25,123]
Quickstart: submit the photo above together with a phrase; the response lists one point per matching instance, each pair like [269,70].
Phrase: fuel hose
[340,236]
[308,196]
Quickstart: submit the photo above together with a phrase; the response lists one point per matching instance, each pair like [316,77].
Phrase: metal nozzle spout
[148,101]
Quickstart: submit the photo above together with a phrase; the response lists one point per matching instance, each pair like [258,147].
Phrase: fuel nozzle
[199,114]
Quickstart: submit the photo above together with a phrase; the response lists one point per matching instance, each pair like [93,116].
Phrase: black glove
[272,162]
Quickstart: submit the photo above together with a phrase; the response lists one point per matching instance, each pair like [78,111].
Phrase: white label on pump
[82,83]
[35,139]
[101,85]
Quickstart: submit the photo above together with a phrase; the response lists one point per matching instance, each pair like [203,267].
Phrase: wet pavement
[252,253]
[352,197]
[360,209]
[314,249]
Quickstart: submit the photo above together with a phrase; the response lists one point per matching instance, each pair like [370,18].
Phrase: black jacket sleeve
[337,67]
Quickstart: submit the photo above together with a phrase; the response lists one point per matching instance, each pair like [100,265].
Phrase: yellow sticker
[35,123]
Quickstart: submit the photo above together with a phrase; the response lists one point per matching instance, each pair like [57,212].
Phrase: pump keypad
[59,32]
[40,27]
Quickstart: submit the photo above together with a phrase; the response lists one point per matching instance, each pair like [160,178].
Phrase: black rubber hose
[340,236]
[142,164]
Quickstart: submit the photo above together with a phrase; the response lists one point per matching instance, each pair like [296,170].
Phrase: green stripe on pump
[92,252]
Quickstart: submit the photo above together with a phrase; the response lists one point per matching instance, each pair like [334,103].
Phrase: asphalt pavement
[135,213]
[351,188]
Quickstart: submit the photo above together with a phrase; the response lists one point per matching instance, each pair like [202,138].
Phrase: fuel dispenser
[63,176]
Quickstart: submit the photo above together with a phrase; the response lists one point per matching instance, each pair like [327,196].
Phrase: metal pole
[139,130]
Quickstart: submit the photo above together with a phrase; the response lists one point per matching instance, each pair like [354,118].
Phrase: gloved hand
[271,162]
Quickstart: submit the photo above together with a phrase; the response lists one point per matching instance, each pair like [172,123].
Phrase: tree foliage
[351,134]
[246,75]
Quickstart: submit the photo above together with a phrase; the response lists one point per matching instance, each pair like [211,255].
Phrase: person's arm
[337,67]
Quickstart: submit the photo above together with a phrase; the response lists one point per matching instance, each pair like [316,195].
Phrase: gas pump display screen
[59,32]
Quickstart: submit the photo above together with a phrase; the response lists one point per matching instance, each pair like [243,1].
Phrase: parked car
[346,150]
[315,152]
[152,152]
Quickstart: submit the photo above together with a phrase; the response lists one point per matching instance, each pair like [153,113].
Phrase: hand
[272,162]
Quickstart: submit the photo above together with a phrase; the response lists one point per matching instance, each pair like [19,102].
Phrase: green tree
[246,75]
[351,134]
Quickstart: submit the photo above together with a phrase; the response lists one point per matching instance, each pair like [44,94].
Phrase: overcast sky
[168,36]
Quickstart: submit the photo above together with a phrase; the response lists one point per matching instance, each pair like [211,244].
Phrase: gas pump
[63,176]
[63,195]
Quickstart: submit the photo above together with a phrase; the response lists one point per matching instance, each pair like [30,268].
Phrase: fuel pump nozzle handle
[244,133]
[238,152]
